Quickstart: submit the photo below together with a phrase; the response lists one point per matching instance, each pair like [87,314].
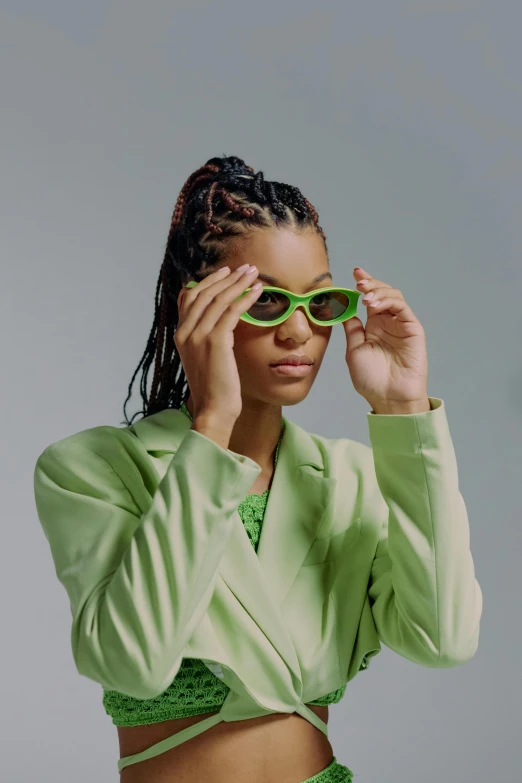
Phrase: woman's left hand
[387,358]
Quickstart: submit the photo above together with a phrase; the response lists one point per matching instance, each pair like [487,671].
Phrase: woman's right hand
[204,338]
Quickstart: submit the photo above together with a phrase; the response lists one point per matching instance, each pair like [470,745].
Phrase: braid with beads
[220,203]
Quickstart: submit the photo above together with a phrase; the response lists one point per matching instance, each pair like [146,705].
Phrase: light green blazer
[359,545]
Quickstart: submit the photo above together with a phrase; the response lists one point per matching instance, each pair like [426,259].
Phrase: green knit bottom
[333,773]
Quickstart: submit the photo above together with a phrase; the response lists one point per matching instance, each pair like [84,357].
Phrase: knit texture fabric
[195,688]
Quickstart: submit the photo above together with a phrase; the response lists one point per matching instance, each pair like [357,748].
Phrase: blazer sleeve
[426,601]
[138,585]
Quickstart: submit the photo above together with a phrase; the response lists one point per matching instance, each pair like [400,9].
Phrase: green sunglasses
[333,305]
[324,306]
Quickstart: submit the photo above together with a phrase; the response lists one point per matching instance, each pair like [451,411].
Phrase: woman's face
[294,262]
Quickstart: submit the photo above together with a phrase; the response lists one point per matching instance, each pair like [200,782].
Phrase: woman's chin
[288,393]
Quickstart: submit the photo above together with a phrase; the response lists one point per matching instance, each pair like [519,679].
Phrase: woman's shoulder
[126,449]
[110,442]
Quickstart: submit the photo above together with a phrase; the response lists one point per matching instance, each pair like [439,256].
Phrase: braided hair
[218,206]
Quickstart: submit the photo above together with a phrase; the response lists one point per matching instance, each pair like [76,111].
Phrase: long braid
[220,203]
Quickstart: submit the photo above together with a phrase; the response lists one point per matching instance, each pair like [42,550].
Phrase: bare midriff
[277,748]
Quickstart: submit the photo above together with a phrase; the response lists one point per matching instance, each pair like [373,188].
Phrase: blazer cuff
[410,431]
[223,467]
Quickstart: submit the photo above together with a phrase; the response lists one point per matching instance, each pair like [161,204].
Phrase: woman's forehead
[283,257]
[286,259]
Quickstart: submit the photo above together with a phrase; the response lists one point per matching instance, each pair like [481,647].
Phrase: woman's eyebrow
[275,282]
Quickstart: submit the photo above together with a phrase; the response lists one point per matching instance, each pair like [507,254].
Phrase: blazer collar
[164,431]
[297,513]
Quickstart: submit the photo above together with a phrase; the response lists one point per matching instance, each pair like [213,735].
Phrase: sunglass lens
[330,305]
[269,305]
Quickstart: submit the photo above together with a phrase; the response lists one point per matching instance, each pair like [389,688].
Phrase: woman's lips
[292,369]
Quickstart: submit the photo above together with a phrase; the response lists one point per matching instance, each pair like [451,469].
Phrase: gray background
[401,122]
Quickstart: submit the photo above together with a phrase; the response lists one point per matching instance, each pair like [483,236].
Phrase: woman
[191,635]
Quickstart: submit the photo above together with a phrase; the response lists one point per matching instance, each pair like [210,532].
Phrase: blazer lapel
[297,509]
[296,514]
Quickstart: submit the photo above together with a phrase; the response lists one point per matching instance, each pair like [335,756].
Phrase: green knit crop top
[196,687]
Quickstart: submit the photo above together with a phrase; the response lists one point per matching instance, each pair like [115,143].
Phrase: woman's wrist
[210,428]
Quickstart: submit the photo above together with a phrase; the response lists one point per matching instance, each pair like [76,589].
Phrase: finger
[362,274]
[367,282]
[229,320]
[225,300]
[395,305]
[204,312]
[216,281]
[378,292]
[189,294]
[219,274]
[355,332]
